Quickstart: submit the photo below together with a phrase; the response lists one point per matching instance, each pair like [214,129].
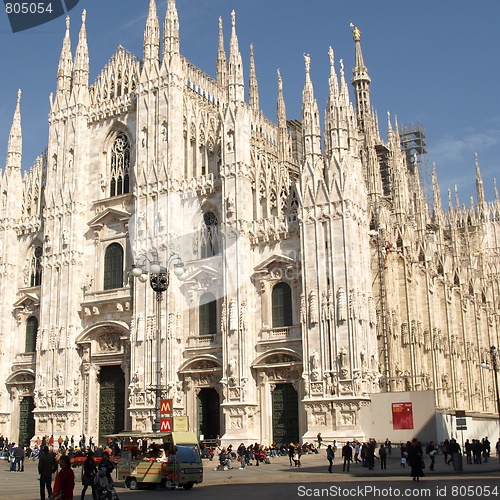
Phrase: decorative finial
[280,81]
[220,23]
[330,54]
[233,18]
[307,60]
[67,23]
[84,16]
[18,96]
[356,34]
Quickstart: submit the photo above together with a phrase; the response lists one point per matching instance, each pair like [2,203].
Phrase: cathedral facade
[314,274]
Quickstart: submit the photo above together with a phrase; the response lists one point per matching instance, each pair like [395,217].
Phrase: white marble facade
[157,157]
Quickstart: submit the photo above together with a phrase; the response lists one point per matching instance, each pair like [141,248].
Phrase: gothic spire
[361,82]
[171,31]
[15,144]
[221,59]
[336,121]
[236,84]
[254,86]
[65,68]
[81,66]
[310,114]
[282,125]
[152,35]
[481,201]
[438,207]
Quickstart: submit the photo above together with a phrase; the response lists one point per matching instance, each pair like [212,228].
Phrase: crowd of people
[412,453]
[255,454]
[52,454]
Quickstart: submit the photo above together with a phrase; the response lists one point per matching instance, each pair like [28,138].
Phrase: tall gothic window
[210,235]
[208,314]
[113,267]
[31,331]
[282,305]
[120,166]
[36,268]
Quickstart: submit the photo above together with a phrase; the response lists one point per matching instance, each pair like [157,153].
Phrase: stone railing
[282,333]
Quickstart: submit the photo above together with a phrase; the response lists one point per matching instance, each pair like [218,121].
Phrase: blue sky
[434,62]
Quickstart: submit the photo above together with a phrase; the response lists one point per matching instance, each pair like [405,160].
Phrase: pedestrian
[12,458]
[47,465]
[242,453]
[431,451]
[297,453]
[486,449]
[357,449]
[370,454]
[468,451]
[319,439]
[347,454]
[291,450]
[330,456]
[404,454]
[19,458]
[388,445]
[65,480]
[89,471]
[382,453]
[446,450]
[415,458]
[453,449]
[497,446]
[107,466]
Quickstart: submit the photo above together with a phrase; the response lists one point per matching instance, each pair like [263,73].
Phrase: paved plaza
[278,478]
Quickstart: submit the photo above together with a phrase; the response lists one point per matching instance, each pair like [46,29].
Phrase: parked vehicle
[174,462]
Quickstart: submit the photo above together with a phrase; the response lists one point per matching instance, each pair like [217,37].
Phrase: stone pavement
[315,467]
[25,486]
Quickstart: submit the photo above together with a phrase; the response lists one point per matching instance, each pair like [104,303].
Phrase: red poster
[402,416]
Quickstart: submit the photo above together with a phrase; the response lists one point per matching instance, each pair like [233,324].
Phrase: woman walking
[65,480]
[88,475]
[415,458]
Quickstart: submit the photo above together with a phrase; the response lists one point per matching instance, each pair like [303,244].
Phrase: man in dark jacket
[47,465]
[19,458]
[347,454]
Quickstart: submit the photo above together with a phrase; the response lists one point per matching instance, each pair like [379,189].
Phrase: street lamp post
[159,279]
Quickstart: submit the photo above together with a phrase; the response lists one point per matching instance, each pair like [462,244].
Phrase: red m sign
[165,406]
[166,424]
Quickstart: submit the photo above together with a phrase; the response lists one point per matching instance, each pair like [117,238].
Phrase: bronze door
[285,414]
[111,401]
[26,420]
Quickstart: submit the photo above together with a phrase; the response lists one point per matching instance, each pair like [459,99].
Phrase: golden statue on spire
[356,34]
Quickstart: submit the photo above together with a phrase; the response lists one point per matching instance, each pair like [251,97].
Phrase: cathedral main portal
[111,401]
[285,403]
[208,413]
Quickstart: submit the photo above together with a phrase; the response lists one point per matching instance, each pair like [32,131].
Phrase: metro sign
[166,424]
[165,406]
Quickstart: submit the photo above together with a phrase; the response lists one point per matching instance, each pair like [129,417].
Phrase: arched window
[208,314]
[209,235]
[31,331]
[120,165]
[113,267]
[282,305]
[36,267]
